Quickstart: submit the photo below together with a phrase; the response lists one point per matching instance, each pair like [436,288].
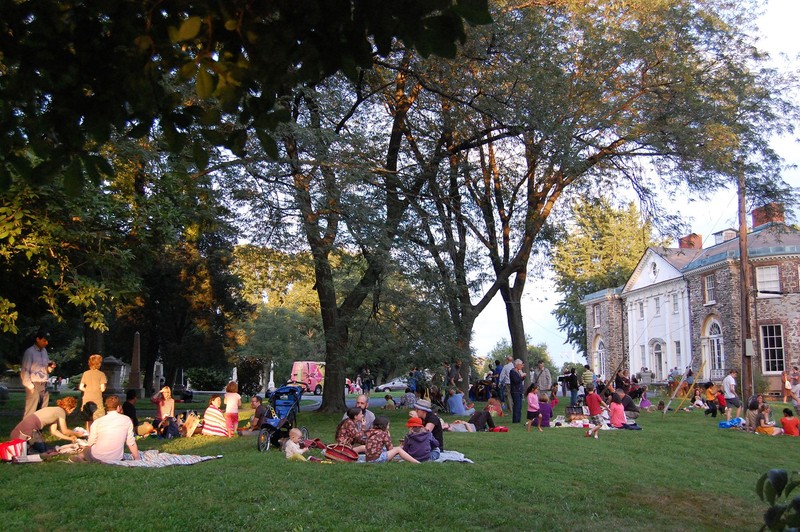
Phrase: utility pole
[744,287]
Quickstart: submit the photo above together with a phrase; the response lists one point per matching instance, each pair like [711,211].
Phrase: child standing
[596,406]
[232,403]
[379,446]
[291,447]
[532,395]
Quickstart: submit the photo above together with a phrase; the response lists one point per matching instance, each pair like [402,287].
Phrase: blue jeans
[517,414]
[573,397]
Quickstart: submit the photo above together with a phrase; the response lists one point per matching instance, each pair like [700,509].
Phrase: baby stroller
[284,404]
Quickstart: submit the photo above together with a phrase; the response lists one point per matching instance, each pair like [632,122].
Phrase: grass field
[680,473]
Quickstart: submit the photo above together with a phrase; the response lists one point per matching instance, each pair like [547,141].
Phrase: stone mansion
[681,307]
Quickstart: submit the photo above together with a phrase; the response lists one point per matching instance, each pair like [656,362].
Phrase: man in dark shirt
[430,421]
[631,410]
[129,409]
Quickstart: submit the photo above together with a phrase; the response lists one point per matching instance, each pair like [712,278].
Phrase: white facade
[656,303]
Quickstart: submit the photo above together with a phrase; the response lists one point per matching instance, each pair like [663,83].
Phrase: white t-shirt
[729,384]
[108,436]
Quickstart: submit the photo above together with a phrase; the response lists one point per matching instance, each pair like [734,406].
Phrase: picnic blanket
[453,456]
[153,458]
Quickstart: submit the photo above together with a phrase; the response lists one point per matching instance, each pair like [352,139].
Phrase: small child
[291,447]
[532,395]
[232,403]
[420,443]
[389,403]
[644,403]
[596,405]
[721,402]
[379,446]
[554,397]
[545,411]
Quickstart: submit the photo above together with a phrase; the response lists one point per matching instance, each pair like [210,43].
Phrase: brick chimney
[769,213]
[693,241]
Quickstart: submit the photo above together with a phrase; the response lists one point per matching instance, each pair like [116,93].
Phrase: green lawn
[680,473]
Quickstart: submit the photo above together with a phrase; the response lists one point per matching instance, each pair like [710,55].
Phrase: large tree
[600,249]
[579,97]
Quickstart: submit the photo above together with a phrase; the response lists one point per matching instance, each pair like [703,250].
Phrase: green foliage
[600,251]
[207,378]
[73,74]
[774,485]
[248,374]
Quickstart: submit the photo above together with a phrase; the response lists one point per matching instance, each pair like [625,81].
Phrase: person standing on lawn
[35,370]
[517,378]
[93,384]
[504,384]
[541,377]
[596,405]
[731,399]
[572,384]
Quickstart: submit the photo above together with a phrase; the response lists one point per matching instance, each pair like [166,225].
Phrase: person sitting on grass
[763,423]
[214,423]
[408,399]
[419,443]
[789,423]
[389,403]
[457,405]
[165,404]
[109,436]
[617,412]
[129,409]
[259,415]
[379,446]
[291,447]
[54,416]
[348,433]
[545,411]
[494,406]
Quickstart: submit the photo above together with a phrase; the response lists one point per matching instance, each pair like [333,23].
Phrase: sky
[778,35]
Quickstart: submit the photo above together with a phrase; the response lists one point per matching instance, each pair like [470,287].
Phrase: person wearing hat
[430,421]
[419,443]
[35,370]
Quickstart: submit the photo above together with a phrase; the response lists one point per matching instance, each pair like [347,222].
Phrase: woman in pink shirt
[617,412]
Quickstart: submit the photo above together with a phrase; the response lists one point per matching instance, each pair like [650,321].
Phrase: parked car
[399,383]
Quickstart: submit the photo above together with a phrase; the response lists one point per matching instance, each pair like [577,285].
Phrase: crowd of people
[112,425]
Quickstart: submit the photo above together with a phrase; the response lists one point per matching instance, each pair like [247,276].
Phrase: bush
[207,378]
[774,484]
[248,371]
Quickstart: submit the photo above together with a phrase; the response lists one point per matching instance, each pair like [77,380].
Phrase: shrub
[207,378]
[772,485]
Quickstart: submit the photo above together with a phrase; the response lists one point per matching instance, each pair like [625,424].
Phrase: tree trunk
[512,297]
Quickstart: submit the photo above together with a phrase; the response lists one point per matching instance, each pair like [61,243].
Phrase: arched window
[599,358]
[716,351]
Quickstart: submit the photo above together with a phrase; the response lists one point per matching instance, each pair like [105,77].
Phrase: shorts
[596,420]
[533,415]
[382,458]
[733,401]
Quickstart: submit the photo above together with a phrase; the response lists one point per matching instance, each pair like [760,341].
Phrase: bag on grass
[500,428]
[340,453]
[12,449]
